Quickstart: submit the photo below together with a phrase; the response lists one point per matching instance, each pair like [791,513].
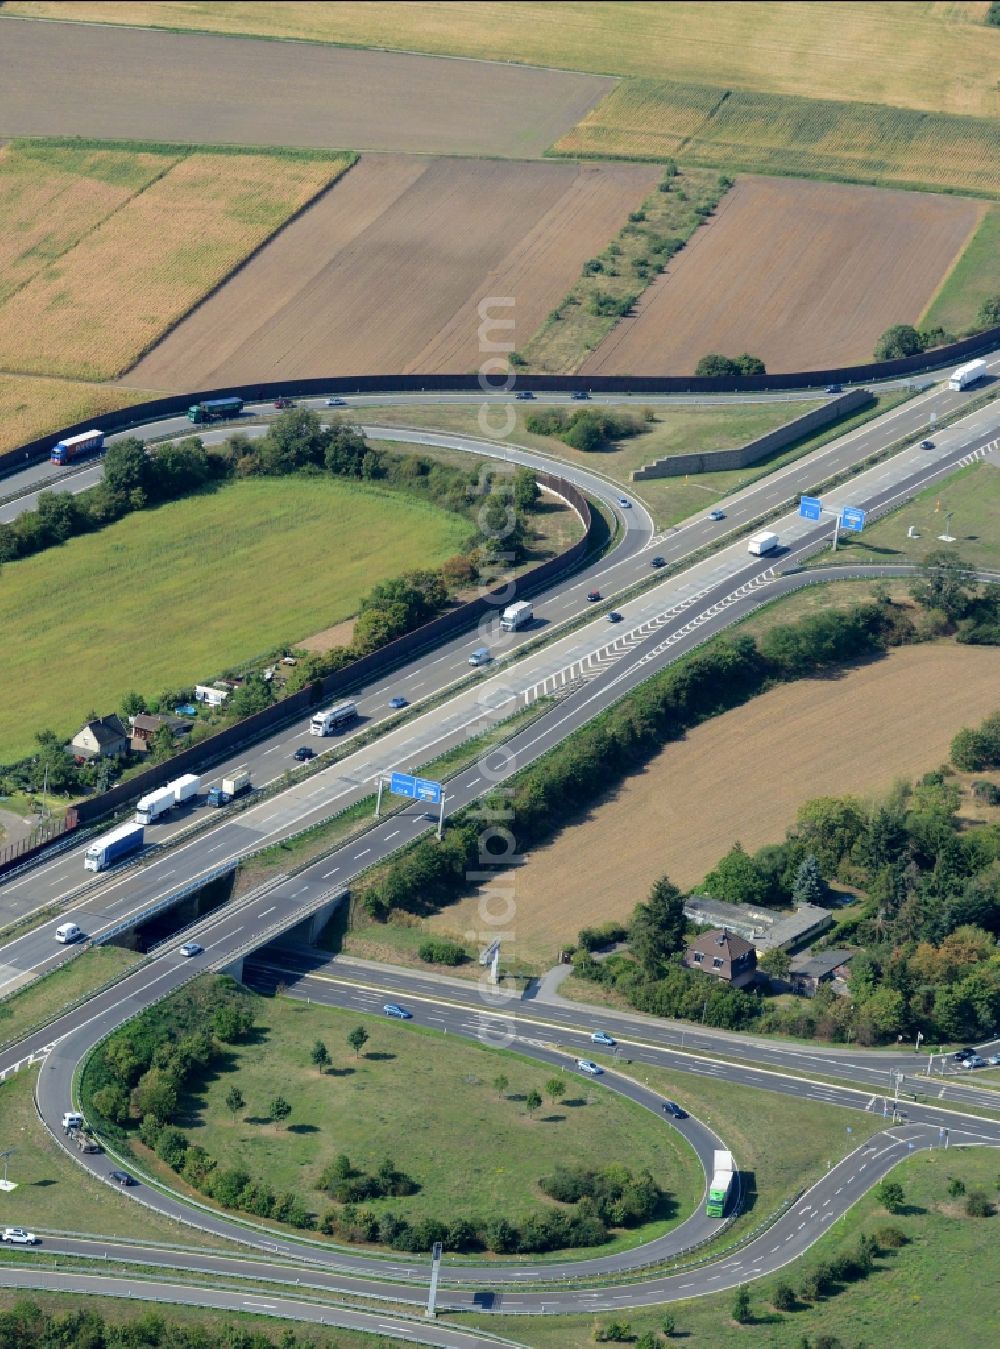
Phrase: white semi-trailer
[763,543]
[154,804]
[516,616]
[186,787]
[967,374]
[127,838]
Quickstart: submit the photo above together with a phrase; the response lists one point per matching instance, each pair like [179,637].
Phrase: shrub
[783,1298]
[977,1205]
[439,951]
[617,1332]
[890,1238]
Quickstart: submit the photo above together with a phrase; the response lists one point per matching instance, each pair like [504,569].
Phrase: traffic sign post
[417,789]
[435,1271]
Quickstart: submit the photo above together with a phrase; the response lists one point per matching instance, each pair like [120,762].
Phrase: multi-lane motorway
[590,667]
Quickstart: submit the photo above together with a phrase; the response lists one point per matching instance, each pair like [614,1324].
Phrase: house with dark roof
[723,954]
[105,738]
[808,972]
[146,724]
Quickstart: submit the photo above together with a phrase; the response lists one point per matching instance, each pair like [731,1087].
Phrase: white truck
[762,543]
[721,1185]
[324,723]
[967,374]
[186,787]
[236,784]
[515,616]
[150,807]
[126,839]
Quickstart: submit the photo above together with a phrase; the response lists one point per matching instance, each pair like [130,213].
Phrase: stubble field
[743,776]
[387,271]
[805,275]
[168,227]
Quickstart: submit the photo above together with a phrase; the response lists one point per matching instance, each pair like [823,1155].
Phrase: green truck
[214,410]
[721,1185]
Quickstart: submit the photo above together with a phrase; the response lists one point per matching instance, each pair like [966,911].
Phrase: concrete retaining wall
[714,461]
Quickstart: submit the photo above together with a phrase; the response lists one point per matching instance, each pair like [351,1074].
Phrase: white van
[69,932]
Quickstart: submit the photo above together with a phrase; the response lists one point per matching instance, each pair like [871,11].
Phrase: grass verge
[974,278]
[48,996]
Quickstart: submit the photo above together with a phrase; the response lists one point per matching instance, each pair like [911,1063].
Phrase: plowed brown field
[386,272]
[743,776]
[806,275]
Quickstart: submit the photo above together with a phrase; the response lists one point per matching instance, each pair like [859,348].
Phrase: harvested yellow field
[96,309]
[743,776]
[936,56]
[50,197]
[31,407]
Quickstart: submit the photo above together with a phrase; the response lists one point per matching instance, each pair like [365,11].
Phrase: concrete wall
[714,461]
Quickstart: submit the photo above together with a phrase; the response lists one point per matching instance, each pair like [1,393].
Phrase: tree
[112,1103]
[320,1056]
[253,695]
[501,1083]
[126,467]
[235,1101]
[988,315]
[737,879]
[526,490]
[777,963]
[714,365]
[945,583]
[555,1088]
[657,928]
[890,1195]
[279,1109]
[993,14]
[532,1101]
[132,705]
[783,1297]
[357,1039]
[668,1325]
[809,886]
[750,365]
[741,1305]
[902,339]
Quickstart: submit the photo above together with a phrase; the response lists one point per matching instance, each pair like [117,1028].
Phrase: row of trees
[26,1326]
[903,339]
[714,365]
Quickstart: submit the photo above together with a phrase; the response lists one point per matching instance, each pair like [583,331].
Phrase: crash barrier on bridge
[713,461]
[141,414]
[252,728]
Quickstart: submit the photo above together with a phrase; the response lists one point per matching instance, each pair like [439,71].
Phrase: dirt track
[386,272]
[74,80]
[806,275]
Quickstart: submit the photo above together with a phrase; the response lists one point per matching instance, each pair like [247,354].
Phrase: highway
[587,654]
[590,670]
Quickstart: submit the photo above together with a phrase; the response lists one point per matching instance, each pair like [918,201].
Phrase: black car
[672,1108]
[657,561]
[593,596]
[303,753]
[927,444]
[579,395]
[962,1054]
[835,388]
[614,616]
[524,395]
[122,1178]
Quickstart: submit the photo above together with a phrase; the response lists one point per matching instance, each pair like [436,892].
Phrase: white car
[191,948]
[587,1066]
[625,503]
[336,403]
[18,1236]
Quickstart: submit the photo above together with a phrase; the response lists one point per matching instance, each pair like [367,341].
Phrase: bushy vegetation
[26,1326]
[716,365]
[587,428]
[902,339]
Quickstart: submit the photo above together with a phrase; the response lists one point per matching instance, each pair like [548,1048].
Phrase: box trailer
[762,543]
[516,616]
[235,785]
[184,788]
[150,807]
[214,410]
[967,374]
[126,839]
[74,446]
[721,1185]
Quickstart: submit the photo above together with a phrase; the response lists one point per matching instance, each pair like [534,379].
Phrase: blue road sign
[852,517]
[419,789]
[810,508]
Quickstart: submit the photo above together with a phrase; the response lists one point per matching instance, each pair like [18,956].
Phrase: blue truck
[214,410]
[87,442]
[127,838]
